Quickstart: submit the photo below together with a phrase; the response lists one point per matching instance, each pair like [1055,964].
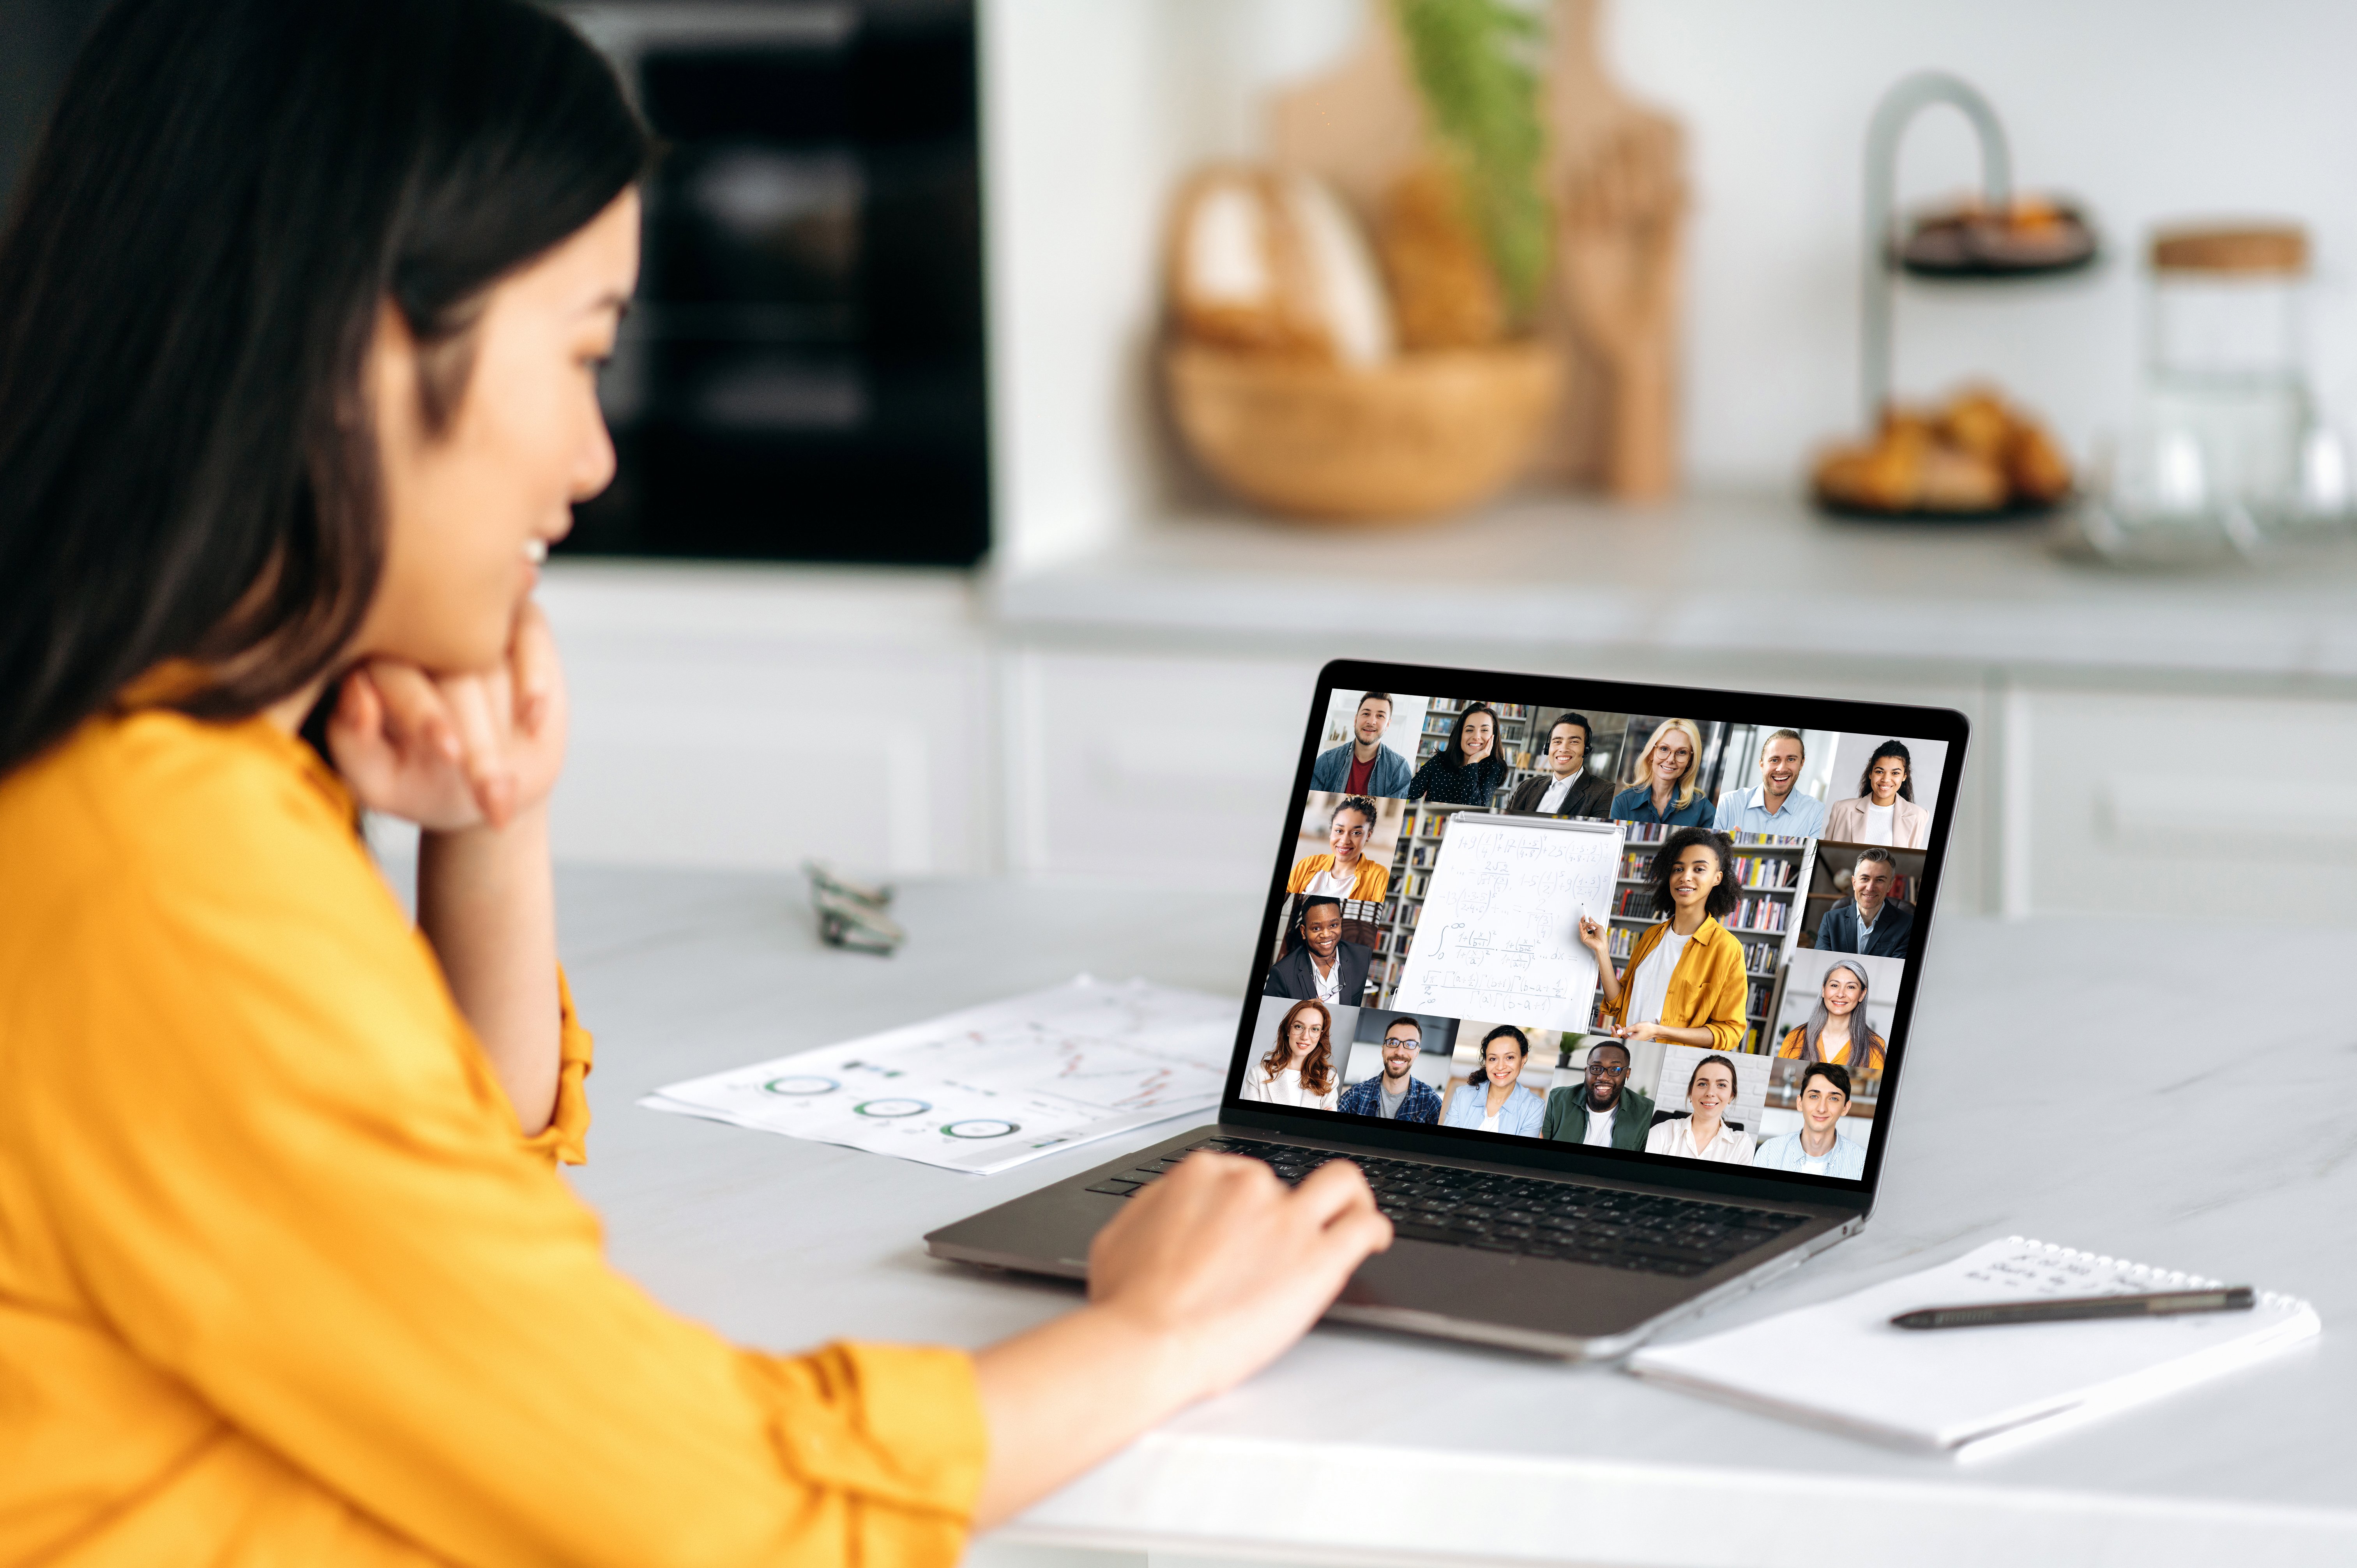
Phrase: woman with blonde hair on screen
[1884,810]
[1836,1023]
[1300,1067]
[1666,789]
[302,309]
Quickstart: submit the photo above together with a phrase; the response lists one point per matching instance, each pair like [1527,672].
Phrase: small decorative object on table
[851,913]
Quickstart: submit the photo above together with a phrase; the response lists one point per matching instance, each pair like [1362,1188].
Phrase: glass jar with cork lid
[2226,383]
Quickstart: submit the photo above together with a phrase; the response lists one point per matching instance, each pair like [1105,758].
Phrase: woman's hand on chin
[450,752]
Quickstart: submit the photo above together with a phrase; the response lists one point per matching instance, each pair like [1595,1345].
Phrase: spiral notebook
[1977,1391]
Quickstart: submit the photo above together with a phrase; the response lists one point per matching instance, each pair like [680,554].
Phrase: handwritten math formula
[1495,940]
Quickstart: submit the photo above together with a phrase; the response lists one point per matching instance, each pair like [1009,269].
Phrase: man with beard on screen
[1395,1094]
[1601,1109]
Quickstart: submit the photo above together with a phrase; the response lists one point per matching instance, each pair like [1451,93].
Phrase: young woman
[1467,771]
[1838,1023]
[1703,1133]
[1685,982]
[1300,1067]
[1884,810]
[1493,1098]
[1346,871]
[1666,790]
[300,316]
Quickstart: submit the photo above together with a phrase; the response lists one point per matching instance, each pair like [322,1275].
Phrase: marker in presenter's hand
[2066,1309]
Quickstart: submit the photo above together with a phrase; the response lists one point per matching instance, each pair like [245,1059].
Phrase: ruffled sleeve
[566,1139]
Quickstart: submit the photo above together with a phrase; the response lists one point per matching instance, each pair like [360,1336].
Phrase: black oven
[801,377]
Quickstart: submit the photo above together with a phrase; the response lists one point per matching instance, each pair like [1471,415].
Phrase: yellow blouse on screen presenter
[280,1280]
[1372,880]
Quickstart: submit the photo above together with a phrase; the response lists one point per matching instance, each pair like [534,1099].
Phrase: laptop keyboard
[1647,1232]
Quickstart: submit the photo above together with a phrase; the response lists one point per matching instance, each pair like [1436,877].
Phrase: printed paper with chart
[1497,938]
[992,1086]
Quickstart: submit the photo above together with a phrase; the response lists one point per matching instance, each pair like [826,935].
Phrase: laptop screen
[1662,925]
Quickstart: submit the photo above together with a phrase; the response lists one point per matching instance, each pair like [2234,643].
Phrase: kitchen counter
[1706,577]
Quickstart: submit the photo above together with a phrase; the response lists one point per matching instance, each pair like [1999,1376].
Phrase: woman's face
[1348,837]
[1692,876]
[1841,992]
[1302,1034]
[467,510]
[1884,779]
[1502,1060]
[1479,733]
[1673,755]
[1713,1090]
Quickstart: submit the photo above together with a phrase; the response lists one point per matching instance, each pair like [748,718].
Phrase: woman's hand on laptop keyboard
[1203,1279]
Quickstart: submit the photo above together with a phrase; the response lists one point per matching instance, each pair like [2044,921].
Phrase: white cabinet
[743,719]
[1166,771]
[2240,807]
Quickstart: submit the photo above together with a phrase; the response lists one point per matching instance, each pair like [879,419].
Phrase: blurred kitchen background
[957,530]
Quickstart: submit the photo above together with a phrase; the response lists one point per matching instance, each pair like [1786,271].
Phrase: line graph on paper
[1495,937]
[991,1086]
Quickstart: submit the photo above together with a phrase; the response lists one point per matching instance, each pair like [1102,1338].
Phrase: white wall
[2147,110]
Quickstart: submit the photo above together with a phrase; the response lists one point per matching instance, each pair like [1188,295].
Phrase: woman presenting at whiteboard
[1685,982]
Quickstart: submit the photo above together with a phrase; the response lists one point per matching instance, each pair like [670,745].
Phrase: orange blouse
[279,1278]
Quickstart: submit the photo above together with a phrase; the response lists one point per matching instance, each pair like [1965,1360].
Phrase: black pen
[2160,1303]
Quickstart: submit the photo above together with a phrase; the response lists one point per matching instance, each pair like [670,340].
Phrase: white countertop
[1703,575]
[2103,1085]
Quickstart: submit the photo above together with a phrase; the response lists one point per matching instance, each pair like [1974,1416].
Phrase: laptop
[1604,987]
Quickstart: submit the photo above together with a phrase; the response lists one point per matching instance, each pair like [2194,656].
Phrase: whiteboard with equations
[1497,938]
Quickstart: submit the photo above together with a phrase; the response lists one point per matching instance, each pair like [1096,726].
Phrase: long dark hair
[1897,749]
[1454,750]
[228,193]
[1480,1076]
[1719,902]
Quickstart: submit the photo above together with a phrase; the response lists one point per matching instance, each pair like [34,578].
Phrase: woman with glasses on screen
[1298,1069]
[1468,770]
[1493,1098]
[1666,789]
[301,312]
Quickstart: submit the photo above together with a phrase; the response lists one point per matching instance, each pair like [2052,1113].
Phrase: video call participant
[1818,1148]
[1703,1133]
[1468,770]
[1601,1110]
[1300,1067]
[1346,871]
[1666,790]
[1395,1094]
[1884,812]
[1568,788]
[1685,983]
[1363,764]
[1872,922]
[1837,1021]
[1492,1101]
[1773,805]
[1324,968]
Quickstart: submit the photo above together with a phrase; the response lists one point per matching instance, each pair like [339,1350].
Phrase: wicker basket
[1425,434]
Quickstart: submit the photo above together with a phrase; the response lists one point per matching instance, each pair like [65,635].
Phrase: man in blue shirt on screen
[1775,805]
[1364,765]
[1818,1148]
[1395,1094]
